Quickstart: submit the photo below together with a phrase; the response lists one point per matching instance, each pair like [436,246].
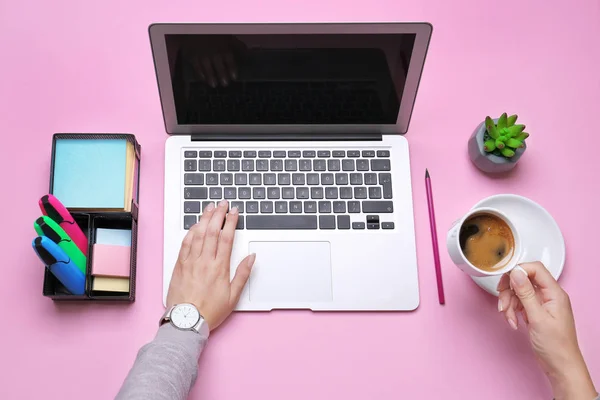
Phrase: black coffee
[487,242]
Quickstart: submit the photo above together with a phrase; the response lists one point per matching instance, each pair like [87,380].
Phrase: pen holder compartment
[52,287]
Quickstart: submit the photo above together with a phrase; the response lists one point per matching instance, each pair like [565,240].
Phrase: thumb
[525,291]
[241,277]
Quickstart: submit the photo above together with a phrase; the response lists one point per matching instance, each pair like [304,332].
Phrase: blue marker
[61,266]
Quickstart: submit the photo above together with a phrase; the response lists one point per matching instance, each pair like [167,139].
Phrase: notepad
[115,237]
[94,174]
[112,261]
[103,284]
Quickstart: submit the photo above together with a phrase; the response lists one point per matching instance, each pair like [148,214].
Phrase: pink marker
[54,209]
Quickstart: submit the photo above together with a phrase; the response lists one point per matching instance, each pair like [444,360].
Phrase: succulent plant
[504,137]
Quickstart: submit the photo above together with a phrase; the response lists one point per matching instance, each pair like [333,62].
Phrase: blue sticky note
[90,173]
[113,237]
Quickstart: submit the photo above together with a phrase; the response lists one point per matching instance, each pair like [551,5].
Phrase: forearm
[576,383]
[165,368]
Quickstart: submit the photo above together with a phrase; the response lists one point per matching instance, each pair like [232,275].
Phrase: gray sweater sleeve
[166,368]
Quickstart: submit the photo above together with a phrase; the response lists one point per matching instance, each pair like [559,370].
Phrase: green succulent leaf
[500,144]
[507,152]
[510,121]
[502,121]
[489,145]
[514,143]
[491,128]
[522,136]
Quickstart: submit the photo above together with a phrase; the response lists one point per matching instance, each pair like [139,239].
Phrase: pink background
[81,66]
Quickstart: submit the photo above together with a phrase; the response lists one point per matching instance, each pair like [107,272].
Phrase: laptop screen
[288,79]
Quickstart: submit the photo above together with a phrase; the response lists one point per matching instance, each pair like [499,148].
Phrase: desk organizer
[89,221]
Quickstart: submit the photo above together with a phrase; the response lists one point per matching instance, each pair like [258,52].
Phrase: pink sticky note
[109,260]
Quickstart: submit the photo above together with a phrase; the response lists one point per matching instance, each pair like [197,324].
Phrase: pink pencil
[434,241]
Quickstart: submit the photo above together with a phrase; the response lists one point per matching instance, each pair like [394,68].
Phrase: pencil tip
[426,173]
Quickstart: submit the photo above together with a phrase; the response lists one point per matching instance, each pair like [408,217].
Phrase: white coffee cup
[457,255]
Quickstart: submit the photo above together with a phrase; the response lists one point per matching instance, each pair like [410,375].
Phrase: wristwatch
[186,317]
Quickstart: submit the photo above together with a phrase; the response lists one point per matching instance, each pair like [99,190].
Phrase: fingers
[227,235]
[213,231]
[199,230]
[241,277]
[209,72]
[186,246]
[511,314]
[504,283]
[504,300]
[222,74]
[230,65]
[542,278]
[525,291]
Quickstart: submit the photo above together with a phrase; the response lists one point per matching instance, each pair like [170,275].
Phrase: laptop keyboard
[291,189]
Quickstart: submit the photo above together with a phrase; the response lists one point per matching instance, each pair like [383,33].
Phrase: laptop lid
[333,78]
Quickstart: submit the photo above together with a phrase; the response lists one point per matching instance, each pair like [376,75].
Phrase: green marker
[45,226]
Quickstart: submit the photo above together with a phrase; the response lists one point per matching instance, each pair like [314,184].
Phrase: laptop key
[190,154]
[345,193]
[291,165]
[233,165]
[360,192]
[353,153]
[273,193]
[341,178]
[220,154]
[283,179]
[266,207]
[287,193]
[248,165]
[206,203]
[316,193]
[378,206]
[385,180]
[339,207]
[324,153]
[245,193]
[305,165]
[362,165]
[281,207]
[387,225]
[230,193]
[373,219]
[326,179]
[279,154]
[312,179]
[262,165]
[241,179]
[212,179]
[383,153]
[193,179]
[190,165]
[368,153]
[191,207]
[264,154]
[326,222]
[195,193]
[381,165]
[356,179]
[294,153]
[319,165]
[218,165]
[354,207]
[250,154]
[240,222]
[270,179]
[343,221]
[251,207]
[372,225]
[281,222]
[295,207]
[216,193]
[205,154]
[325,207]
[358,225]
[309,154]
[375,192]
[347,165]
[338,153]
[370,178]
[189,221]
[276,165]
[226,179]
[255,179]
[204,165]
[302,193]
[333,165]
[235,154]
[239,205]
[331,193]
[310,207]
[259,193]
[298,179]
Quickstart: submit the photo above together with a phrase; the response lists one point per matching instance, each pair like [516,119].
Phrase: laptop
[301,127]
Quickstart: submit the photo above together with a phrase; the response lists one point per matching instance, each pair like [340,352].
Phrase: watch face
[185,316]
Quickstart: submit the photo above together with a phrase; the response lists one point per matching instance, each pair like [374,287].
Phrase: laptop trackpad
[291,272]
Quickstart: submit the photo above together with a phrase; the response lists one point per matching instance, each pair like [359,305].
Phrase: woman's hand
[546,310]
[201,274]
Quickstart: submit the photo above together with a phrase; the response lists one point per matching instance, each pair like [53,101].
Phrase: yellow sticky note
[104,284]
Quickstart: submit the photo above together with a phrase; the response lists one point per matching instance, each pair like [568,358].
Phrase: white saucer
[540,235]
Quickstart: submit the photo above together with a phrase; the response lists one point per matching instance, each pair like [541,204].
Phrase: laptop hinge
[288,137]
